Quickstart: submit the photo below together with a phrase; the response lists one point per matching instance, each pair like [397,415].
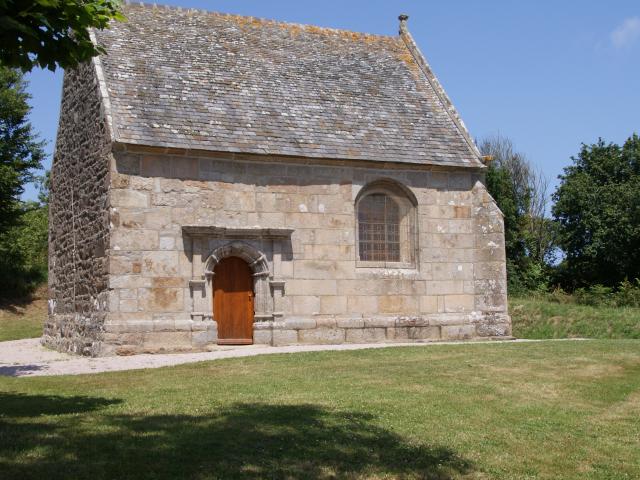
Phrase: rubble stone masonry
[79,220]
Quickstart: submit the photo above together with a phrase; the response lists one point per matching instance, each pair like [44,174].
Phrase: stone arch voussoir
[256,260]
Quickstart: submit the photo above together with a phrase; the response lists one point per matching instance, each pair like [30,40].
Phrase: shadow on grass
[18,371]
[18,405]
[241,441]
[17,305]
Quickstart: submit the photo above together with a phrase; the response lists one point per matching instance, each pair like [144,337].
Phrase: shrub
[558,295]
[628,294]
[595,295]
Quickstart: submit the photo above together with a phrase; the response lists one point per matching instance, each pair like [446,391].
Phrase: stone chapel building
[231,180]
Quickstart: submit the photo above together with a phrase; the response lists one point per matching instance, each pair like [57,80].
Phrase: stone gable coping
[421,60]
[104,92]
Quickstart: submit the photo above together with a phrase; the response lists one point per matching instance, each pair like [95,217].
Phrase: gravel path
[27,358]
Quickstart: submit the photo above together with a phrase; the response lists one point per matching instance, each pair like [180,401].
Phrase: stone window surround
[407,200]
[268,288]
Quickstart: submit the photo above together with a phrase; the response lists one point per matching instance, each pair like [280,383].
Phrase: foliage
[626,294]
[521,194]
[593,314]
[20,151]
[501,186]
[429,412]
[23,227]
[23,253]
[43,184]
[50,33]
[597,208]
[33,236]
[594,295]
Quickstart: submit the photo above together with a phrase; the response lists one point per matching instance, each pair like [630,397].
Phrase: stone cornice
[142,149]
[236,232]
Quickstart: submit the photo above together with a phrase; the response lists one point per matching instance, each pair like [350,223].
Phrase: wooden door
[233,301]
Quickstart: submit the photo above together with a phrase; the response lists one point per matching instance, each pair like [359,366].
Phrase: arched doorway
[233,301]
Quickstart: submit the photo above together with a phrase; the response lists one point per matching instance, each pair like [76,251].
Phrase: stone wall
[315,291]
[78,219]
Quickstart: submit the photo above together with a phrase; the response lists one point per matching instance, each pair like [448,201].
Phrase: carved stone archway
[256,260]
[259,266]
[243,242]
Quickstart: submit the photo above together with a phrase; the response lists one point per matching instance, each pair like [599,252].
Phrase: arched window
[386,226]
[379,228]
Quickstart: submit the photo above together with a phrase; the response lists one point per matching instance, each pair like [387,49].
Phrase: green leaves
[520,193]
[52,33]
[20,150]
[23,227]
[597,208]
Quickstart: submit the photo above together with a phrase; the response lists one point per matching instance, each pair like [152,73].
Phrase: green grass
[23,319]
[540,317]
[567,410]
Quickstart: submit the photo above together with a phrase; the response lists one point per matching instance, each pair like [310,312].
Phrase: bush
[627,294]
[530,277]
[595,295]
[558,295]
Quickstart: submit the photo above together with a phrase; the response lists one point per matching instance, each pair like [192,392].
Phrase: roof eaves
[234,153]
[448,106]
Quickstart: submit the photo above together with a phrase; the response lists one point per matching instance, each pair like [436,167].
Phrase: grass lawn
[23,319]
[540,410]
[537,317]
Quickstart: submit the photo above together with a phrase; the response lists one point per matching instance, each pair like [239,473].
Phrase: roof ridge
[253,18]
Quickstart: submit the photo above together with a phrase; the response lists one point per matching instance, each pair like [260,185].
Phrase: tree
[20,150]
[50,33]
[597,208]
[24,253]
[23,227]
[521,192]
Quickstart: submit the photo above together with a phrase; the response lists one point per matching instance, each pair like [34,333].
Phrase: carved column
[277,287]
[197,284]
[277,258]
[262,302]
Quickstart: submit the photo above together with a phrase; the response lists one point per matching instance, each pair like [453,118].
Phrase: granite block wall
[316,290]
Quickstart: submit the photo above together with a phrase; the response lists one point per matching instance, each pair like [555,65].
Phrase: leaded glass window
[379,228]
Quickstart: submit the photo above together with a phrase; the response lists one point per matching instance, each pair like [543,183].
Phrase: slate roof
[201,80]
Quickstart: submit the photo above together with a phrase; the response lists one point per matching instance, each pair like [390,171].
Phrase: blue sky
[550,75]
